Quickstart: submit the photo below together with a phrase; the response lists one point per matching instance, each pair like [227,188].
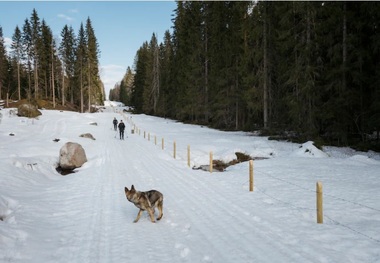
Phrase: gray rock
[71,156]
[28,110]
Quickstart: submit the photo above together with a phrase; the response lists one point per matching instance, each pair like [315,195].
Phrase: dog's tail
[160,207]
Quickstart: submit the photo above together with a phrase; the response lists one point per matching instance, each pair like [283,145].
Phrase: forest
[302,70]
[41,67]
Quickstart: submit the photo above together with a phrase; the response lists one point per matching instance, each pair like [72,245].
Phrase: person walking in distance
[121,129]
[114,123]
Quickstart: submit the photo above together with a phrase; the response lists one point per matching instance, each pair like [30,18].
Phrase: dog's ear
[132,187]
[126,189]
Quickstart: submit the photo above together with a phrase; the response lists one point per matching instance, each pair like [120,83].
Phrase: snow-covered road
[85,217]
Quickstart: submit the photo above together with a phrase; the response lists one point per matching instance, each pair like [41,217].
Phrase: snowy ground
[208,217]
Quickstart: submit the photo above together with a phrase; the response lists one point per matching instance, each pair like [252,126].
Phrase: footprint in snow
[184,251]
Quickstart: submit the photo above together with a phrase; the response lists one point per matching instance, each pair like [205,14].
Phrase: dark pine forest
[307,70]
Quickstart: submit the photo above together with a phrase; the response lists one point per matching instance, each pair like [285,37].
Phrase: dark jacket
[121,126]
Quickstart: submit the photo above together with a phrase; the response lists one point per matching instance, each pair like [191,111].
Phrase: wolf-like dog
[146,201]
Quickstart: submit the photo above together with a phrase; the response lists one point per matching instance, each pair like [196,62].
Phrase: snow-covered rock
[308,149]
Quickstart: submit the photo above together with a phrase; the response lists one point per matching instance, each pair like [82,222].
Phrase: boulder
[28,110]
[71,156]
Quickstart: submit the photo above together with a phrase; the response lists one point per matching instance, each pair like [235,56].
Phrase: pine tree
[45,59]
[28,50]
[80,63]
[3,63]
[95,89]
[152,71]
[126,86]
[114,94]
[18,55]
[141,60]
[188,63]
[67,52]
[35,49]
[166,58]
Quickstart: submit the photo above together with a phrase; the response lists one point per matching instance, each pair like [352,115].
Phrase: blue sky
[121,27]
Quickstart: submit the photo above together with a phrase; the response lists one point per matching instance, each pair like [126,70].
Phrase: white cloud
[68,18]
[7,43]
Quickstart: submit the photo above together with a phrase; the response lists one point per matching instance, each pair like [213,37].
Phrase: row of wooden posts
[319,191]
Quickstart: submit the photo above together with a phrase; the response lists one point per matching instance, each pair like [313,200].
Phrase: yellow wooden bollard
[188,155]
[174,149]
[211,165]
[319,203]
[251,176]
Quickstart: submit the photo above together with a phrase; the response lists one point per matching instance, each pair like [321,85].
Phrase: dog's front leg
[138,216]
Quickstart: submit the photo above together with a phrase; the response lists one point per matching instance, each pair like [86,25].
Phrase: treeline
[122,91]
[38,67]
[309,68]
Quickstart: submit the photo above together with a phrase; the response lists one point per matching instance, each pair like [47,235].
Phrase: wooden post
[174,149]
[211,162]
[144,134]
[155,139]
[188,155]
[251,176]
[162,143]
[148,136]
[319,203]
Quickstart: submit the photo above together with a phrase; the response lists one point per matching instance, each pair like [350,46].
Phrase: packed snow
[208,217]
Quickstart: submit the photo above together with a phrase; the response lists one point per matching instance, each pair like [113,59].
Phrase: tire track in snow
[108,202]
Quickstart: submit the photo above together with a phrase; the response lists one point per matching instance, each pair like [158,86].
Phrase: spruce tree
[18,55]
[28,50]
[94,86]
[166,58]
[140,66]
[35,49]
[3,63]
[126,86]
[67,53]
[45,59]
[80,63]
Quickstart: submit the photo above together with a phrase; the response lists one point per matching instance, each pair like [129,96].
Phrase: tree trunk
[52,77]
[36,79]
[81,90]
[156,78]
[265,83]
[18,81]
[63,86]
[206,106]
[89,86]
[344,46]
